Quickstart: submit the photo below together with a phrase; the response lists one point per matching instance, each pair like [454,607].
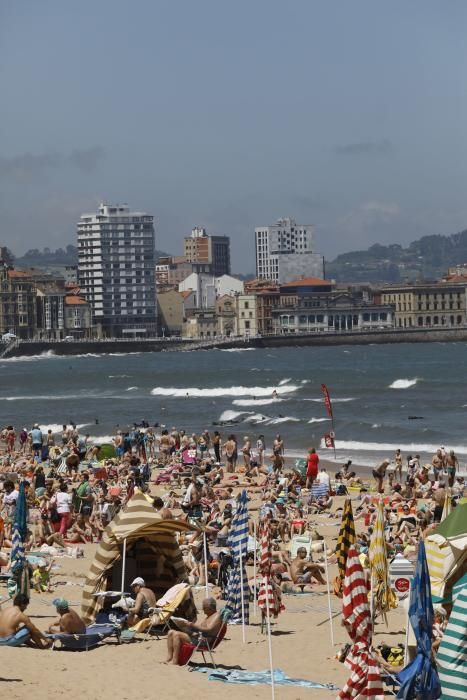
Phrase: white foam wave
[119,376]
[256,402]
[318,420]
[46,355]
[257,418]
[356,446]
[403,383]
[58,427]
[343,400]
[131,388]
[228,415]
[376,425]
[284,381]
[237,349]
[195,392]
[283,419]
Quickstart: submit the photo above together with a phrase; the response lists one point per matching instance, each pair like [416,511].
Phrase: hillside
[62,256]
[427,258]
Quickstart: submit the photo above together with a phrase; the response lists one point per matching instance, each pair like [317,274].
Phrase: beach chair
[90,639]
[299,541]
[204,645]
[165,608]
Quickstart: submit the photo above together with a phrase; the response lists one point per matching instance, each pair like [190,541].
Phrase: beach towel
[260,677]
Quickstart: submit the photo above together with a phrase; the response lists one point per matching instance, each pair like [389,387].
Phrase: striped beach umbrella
[20,521]
[238,592]
[365,681]
[447,508]
[384,598]
[420,679]
[18,563]
[452,652]
[345,540]
[269,595]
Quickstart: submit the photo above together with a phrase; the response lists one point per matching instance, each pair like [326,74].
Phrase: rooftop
[308,282]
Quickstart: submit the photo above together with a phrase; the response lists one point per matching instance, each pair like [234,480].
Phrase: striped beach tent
[384,598]
[446,551]
[238,580]
[345,540]
[365,681]
[452,653]
[151,546]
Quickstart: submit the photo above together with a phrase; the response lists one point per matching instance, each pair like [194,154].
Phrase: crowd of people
[74,488]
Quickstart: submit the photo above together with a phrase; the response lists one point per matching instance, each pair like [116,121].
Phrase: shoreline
[30,348]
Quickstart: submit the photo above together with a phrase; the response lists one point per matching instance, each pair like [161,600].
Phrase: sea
[384,397]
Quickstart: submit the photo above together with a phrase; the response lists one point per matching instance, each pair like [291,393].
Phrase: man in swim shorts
[16,628]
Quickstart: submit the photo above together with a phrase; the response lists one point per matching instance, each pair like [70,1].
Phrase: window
[247,325]
[247,305]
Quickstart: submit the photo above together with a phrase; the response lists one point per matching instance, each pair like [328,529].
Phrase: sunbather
[17,628]
[144,600]
[68,621]
[209,627]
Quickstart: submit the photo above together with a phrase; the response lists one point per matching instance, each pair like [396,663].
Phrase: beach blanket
[260,677]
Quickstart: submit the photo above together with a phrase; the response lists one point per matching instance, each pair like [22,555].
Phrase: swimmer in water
[274,394]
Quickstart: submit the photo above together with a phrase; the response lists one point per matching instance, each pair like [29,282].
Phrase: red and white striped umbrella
[269,596]
[365,681]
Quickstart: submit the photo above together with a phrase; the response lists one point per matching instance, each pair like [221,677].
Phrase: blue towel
[257,677]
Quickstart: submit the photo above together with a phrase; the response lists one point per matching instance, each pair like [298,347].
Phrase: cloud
[366,148]
[370,222]
[29,167]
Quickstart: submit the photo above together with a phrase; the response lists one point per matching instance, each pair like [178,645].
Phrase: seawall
[380,337]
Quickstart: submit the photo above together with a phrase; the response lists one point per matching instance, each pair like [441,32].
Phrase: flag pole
[254,572]
[242,595]
[268,625]
[123,566]
[329,593]
[205,545]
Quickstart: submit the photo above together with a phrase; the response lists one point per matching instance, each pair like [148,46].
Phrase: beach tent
[151,545]
[452,653]
[446,550]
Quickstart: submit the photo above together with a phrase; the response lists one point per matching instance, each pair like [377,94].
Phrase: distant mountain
[427,258]
[68,256]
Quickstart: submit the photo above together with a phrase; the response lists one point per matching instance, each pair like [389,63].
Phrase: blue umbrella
[419,680]
[20,521]
[18,564]
[238,543]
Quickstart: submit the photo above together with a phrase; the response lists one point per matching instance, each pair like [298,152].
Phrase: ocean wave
[402,383]
[46,355]
[318,420]
[58,427]
[285,381]
[256,402]
[195,392]
[119,376]
[343,400]
[283,419]
[131,388]
[257,418]
[237,349]
[356,446]
[229,415]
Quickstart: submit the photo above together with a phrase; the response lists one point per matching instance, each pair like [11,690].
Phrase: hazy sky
[229,115]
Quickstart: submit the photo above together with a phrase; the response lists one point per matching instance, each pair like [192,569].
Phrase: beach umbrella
[383,598]
[420,679]
[18,563]
[452,652]
[345,540]
[20,521]
[238,592]
[269,596]
[447,508]
[365,681]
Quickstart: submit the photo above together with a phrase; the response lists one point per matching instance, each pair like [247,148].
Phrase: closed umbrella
[269,595]
[365,681]
[237,597]
[447,508]
[18,564]
[383,597]
[420,679]
[20,521]
[452,652]
[345,540]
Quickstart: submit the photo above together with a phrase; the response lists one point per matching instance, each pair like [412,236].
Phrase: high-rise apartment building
[209,254]
[284,252]
[116,267]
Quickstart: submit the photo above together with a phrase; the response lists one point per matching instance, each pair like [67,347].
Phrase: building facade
[247,317]
[17,303]
[116,270]
[313,305]
[208,254]
[284,252]
[427,305]
[171,270]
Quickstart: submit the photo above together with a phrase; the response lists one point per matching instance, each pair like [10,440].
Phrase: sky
[351,116]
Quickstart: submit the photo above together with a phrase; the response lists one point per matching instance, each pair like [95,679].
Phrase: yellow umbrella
[384,598]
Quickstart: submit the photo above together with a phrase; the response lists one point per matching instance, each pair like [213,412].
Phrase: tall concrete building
[116,265]
[208,254]
[284,252]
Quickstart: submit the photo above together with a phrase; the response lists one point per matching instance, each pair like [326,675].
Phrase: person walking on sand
[379,473]
[311,467]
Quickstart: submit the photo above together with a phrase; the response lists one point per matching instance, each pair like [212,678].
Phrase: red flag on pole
[328,440]
[327,400]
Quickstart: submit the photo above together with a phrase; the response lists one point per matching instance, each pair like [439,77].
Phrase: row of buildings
[119,290]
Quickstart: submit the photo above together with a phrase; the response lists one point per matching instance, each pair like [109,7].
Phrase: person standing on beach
[260,446]
[437,464]
[246,451]
[398,463]
[452,465]
[216,443]
[230,449]
[278,445]
[379,473]
[311,467]
[36,437]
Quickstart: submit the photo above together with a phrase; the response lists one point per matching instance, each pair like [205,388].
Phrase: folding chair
[166,608]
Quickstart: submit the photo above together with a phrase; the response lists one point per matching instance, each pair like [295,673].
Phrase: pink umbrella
[365,681]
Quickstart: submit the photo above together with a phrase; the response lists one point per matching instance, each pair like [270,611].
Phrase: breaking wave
[195,392]
[403,383]
[256,402]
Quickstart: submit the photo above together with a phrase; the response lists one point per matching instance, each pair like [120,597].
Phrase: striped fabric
[18,564]
[345,540]
[269,594]
[151,543]
[447,508]
[319,490]
[384,598]
[452,653]
[238,543]
[444,561]
[365,681]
